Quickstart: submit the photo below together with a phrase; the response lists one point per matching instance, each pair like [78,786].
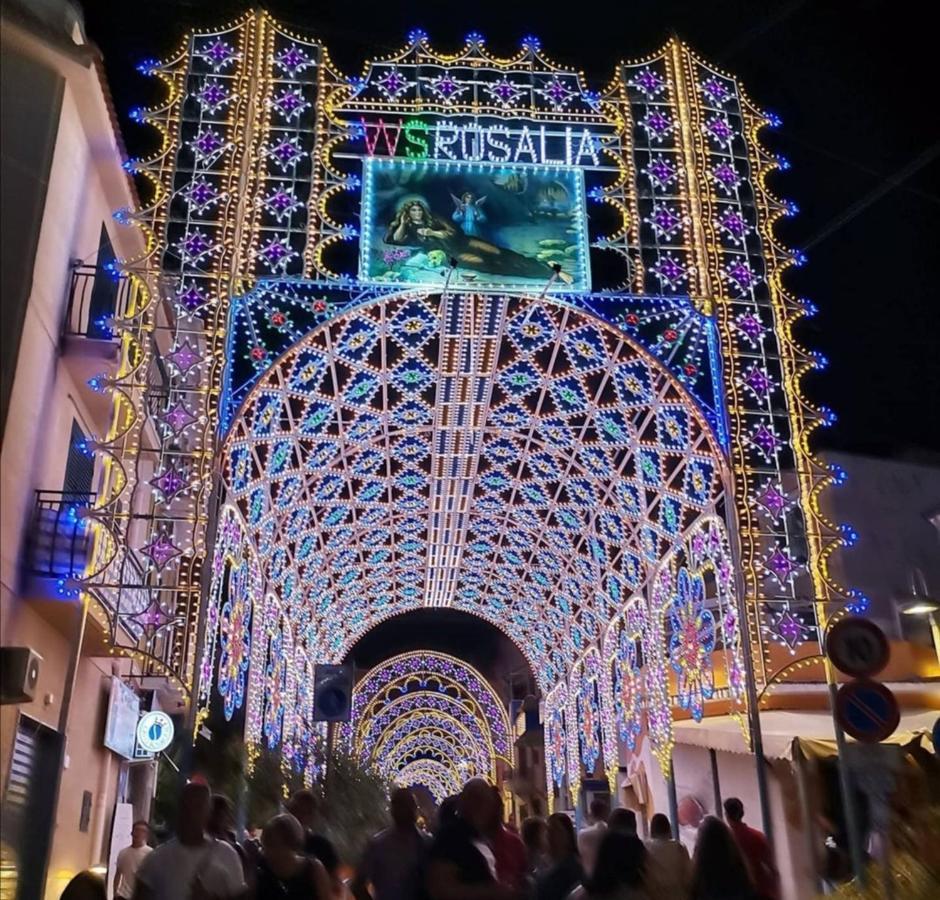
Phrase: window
[79,467]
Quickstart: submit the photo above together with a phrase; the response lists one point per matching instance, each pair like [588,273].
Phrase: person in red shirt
[756,851]
[508,848]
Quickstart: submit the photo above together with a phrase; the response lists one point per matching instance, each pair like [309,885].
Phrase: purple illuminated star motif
[206,142]
[716,91]
[726,176]
[292,60]
[178,418]
[170,483]
[184,357]
[191,297]
[286,152]
[740,273]
[764,439]
[648,81]
[758,381]
[504,91]
[669,270]
[661,171]
[664,220]
[213,95]
[772,499]
[392,83]
[719,129]
[281,203]
[290,103]
[657,124]
[789,629]
[557,92]
[275,251]
[733,223]
[750,326]
[446,87]
[201,194]
[194,246]
[161,550]
[780,565]
[218,54]
[152,617]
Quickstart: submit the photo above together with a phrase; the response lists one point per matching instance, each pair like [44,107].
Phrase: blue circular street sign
[867,711]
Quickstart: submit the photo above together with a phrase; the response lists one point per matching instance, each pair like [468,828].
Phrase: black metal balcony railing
[96,296]
[59,541]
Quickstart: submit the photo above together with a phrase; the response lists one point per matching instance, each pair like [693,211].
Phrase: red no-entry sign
[867,711]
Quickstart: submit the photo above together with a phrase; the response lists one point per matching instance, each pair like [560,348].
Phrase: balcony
[96,296]
[58,543]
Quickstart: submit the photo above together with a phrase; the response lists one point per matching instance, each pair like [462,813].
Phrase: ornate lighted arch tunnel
[429,714]
[597,468]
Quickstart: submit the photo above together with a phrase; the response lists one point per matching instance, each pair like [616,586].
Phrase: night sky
[855,85]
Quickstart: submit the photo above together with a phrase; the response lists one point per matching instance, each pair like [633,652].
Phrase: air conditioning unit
[19,674]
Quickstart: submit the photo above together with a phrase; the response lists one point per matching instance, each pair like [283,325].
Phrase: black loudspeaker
[19,674]
[332,693]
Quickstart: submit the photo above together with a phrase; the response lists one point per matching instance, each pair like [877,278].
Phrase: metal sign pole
[849,810]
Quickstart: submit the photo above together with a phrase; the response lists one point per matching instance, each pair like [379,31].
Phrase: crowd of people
[470,854]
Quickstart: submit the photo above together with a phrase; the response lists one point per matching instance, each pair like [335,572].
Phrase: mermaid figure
[414,225]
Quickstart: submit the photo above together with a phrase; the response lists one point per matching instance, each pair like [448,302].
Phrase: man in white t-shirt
[191,866]
[129,860]
[589,838]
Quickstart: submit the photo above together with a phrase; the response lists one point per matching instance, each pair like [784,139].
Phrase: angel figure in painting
[468,213]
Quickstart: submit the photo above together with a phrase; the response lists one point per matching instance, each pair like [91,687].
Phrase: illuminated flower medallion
[691,643]
[627,690]
[235,642]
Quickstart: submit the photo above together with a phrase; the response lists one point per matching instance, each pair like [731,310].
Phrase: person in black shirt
[461,865]
[303,807]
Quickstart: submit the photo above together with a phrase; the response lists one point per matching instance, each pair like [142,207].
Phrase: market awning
[779,728]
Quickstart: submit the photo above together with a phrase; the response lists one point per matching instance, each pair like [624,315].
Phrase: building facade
[62,181]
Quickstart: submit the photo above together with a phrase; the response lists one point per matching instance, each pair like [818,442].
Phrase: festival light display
[429,719]
[565,399]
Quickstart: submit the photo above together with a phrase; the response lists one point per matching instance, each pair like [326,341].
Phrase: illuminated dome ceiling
[510,457]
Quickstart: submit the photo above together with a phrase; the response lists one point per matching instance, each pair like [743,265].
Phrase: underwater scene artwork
[505,226]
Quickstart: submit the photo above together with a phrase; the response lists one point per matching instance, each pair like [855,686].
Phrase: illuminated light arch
[437,777]
[580,458]
[686,173]
[428,706]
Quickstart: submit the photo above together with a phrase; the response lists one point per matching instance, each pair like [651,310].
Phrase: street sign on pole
[867,711]
[857,647]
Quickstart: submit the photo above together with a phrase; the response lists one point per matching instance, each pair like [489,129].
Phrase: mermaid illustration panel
[505,226]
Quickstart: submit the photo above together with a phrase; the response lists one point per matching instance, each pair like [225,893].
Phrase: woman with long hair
[564,872]
[718,868]
[619,870]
